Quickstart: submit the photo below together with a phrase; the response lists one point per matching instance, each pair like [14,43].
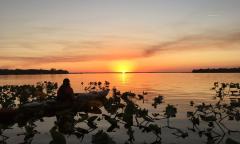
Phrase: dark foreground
[120,111]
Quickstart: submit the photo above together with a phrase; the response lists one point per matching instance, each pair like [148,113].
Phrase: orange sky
[119,35]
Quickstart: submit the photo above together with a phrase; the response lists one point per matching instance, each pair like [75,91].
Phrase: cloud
[40,45]
[72,50]
[79,45]
[59,59]
[221,41]
[44,59]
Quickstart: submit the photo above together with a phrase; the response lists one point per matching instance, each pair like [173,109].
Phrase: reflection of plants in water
[214,116]
[29,132]
[4,127]
[122,112]
[102,138]
[170,111]
[57,137]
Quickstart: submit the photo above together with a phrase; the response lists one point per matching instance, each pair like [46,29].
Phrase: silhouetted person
[65,92]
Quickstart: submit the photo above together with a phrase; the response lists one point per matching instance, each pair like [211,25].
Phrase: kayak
[83,102]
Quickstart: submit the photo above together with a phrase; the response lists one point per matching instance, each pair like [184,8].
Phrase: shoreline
[126,73]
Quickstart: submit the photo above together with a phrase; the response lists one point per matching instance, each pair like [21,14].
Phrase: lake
[177,88]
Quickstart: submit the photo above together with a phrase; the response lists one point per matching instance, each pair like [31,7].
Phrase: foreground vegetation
[121,110]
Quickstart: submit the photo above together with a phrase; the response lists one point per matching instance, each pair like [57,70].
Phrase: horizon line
[125,72]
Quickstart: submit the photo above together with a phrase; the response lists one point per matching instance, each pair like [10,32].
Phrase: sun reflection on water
[123,78]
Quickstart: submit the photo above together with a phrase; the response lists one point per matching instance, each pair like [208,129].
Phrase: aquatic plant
[213,115]
[121,110]
[226,89]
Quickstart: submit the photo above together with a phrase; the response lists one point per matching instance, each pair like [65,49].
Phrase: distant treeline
[31,71]
[217,70]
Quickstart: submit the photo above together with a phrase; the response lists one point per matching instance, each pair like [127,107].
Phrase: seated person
[65,92]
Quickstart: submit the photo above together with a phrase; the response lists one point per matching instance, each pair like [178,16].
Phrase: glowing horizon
[119,36]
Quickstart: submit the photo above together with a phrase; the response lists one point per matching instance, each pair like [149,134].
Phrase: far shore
[127,73]
[60,71]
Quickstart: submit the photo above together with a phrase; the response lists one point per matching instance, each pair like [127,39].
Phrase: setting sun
[123,66]
[119,71]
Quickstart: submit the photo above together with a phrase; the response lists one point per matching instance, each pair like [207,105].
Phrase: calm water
[174,86]
[177,89]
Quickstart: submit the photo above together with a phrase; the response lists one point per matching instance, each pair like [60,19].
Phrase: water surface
[177,88]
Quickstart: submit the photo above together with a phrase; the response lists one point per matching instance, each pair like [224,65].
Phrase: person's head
[66,82]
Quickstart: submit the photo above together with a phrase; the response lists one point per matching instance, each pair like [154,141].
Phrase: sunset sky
[119,35]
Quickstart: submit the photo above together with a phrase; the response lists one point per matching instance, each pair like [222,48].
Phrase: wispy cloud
[59,45]
[224,41]
[59,59]
[80,45]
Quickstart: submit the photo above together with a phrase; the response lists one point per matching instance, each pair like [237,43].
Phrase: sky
[119,35]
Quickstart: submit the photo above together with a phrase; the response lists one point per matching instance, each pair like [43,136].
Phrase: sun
[123,66]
